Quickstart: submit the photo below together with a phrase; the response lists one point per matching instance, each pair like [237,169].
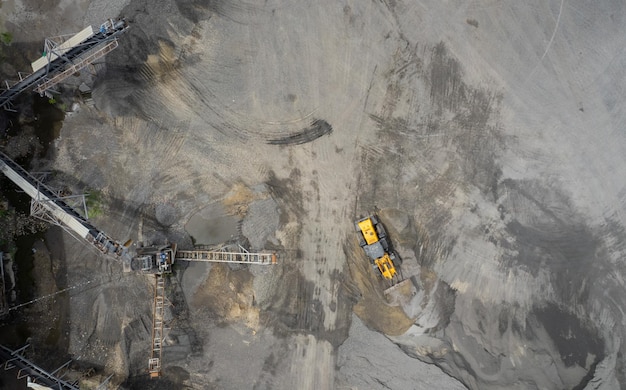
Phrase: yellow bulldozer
[373,240]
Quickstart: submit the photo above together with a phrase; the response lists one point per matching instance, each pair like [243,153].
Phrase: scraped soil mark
[318,128]
[577,342]
[575,339]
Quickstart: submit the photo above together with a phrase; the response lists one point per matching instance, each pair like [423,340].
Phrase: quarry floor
[487,136]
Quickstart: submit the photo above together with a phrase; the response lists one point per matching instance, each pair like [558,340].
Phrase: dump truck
[373,240]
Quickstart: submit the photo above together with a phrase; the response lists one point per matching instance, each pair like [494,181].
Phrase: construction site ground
[486,135]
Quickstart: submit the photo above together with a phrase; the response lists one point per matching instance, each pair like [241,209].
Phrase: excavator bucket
[400,292]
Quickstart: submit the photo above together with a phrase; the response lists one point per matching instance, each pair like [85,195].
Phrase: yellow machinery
[368,230]
[386,267]
[372,238]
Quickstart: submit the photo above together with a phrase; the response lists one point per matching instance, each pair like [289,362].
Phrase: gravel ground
[368,360]
[487,135]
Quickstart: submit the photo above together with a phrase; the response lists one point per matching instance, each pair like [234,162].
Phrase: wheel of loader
[385,244]
[396,260]
[362,242]
[380,230]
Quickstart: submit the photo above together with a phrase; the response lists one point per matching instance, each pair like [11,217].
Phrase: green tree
[94,203]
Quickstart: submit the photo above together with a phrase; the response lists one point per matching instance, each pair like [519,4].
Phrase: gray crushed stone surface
[369,360]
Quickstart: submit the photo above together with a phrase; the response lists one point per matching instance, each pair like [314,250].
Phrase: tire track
[317,129]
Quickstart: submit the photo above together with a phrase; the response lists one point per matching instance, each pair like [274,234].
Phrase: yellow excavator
[373,240]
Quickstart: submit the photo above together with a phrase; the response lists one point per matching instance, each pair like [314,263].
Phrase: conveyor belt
[58,208]
[105,35]
[13,359]
[158,319]
[241,256]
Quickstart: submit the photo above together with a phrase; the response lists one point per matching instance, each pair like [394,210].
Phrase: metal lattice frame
[14,359]
[58,57]
[48,203]
[158,319]
[76,66]
[39,210]
[224,255]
